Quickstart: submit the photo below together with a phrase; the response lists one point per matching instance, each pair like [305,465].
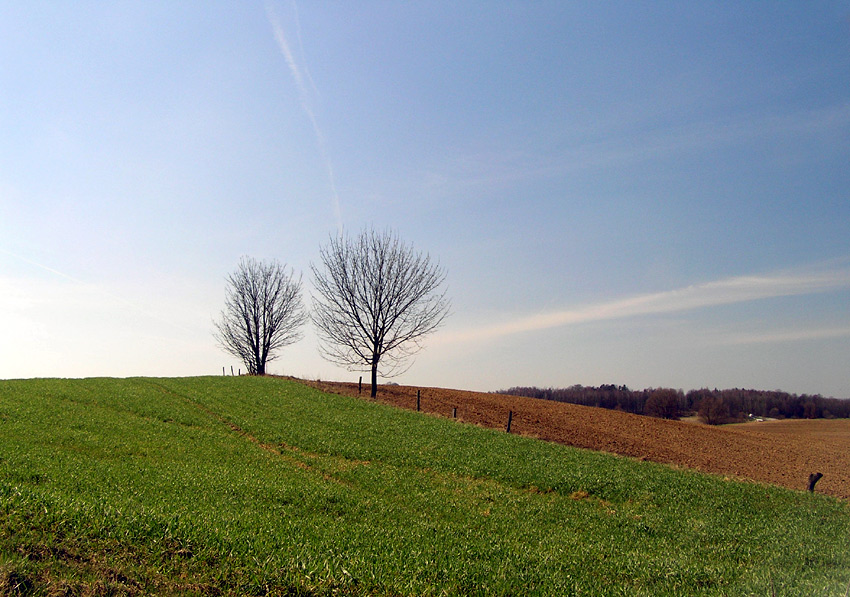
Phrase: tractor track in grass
[291,454]
[780,453]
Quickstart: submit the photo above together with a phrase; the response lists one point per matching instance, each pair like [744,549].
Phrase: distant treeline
[713,406]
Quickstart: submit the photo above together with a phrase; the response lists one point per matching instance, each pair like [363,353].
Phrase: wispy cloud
[304,98]
[495,167]
[710,294]
[789,336]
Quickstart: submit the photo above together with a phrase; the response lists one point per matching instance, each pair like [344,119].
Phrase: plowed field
[777,452]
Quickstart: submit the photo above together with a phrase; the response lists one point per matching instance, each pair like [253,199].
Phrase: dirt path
[780,452]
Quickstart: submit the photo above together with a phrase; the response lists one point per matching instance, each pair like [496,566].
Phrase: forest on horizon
[713,406]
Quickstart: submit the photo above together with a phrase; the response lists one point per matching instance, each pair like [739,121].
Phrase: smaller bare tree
[262,313]
[376,299]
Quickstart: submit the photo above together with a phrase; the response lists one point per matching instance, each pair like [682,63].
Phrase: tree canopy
[376,299]
[262,313]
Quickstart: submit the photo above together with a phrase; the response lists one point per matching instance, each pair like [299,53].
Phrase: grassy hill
[245,485]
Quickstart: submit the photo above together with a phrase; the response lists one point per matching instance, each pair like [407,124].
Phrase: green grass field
[261,486]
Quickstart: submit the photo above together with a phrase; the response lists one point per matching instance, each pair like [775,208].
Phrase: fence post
[417,400]
[222,371]
[360,385]
[454,413]
[510,418]
[231,370]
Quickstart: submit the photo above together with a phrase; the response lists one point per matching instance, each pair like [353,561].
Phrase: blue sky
[650,194]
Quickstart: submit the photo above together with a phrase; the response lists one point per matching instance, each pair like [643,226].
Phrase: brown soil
[777,452]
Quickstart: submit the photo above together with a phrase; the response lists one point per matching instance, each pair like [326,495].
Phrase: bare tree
[375,301]
[262,313]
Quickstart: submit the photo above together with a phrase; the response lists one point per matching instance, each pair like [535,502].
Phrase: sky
[654,194]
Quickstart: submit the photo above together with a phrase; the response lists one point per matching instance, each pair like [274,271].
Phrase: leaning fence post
[510,418]
[231,370]
[360,385]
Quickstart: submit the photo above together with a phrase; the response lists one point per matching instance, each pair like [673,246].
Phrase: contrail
[99,290]
[304,98]
[710,294]
[301,47]
[41,266]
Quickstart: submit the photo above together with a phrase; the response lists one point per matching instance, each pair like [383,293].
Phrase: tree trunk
[374,379]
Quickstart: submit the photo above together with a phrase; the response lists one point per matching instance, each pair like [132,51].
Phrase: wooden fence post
[360,385]
[231,370]
[510,418]
[454,413]
[417,400]
[814,478]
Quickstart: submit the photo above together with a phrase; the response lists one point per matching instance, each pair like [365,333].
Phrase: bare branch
[376,299]
[262,313]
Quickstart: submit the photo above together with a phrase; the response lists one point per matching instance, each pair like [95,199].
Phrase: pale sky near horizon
[641,193]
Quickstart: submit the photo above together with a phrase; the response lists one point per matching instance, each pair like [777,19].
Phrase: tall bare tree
[262,313]
[376,299]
